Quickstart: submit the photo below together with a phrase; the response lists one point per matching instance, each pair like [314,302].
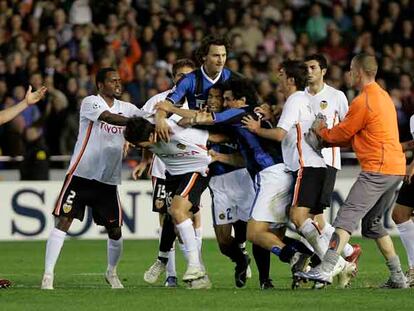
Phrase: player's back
[259,153]
[377,143]
[186,151]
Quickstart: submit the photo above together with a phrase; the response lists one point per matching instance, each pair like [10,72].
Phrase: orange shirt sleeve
[135,51]
[353,122]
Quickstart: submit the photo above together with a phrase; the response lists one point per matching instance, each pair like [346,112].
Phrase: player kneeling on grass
[186,159]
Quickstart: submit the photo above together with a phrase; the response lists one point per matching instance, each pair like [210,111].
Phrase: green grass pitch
[79,283]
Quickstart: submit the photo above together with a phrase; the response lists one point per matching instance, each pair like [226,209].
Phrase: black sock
[262,258]
[167,237]
[287,253]
[240,231]
[298,245]
[232,251]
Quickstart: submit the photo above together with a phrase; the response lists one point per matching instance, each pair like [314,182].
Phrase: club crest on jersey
[95,106]
[67,208]
[323,104]
[181,146]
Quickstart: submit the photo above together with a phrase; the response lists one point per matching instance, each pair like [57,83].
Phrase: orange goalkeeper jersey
[371,126]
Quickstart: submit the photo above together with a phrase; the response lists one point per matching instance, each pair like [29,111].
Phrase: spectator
[67,43]
[316,25]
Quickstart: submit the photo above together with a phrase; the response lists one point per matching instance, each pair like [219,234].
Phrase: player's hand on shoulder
[163,130]
[265,111]
[164,105]
[251,124]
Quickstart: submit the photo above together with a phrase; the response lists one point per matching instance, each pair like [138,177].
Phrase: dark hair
[101,75]
[218,86]
[207,42]
[242,88]
[323,63]
[298,71]
[138,130]
[184,62]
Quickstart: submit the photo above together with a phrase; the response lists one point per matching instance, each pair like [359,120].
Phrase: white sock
[182,248]
[114,253]
[327,232]
[53,246]
[187,234]
[199,238]
[312,235]
[406,230]
[171,262]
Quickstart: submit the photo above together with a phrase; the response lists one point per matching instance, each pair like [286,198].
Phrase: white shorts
[274,188]
[232,196]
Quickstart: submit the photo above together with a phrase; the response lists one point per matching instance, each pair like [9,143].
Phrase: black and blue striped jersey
[259,153]
[195,86]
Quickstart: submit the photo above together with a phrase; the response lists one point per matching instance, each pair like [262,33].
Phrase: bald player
[371,127]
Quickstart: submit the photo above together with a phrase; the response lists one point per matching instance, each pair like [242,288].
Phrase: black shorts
[328,186]
[309,182]
[78,192]
[159,195]
[406,195]
[190,185]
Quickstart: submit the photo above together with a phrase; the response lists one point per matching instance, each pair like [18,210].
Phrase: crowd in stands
[62,43]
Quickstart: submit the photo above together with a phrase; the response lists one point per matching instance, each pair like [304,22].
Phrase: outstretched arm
[254,126]
[168,107]
[113,118]
[30,99]
[234,159]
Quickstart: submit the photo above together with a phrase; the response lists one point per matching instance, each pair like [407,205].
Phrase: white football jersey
[157,168]
[412,125]
[186,151]
[297,117]
[98,149]
[333,104]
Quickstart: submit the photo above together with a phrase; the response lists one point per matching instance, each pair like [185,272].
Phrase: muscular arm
[235,159]
[167,107]
[254,126]
[30,99]
[218,138]
[274,134]
[10,113]
[113,118]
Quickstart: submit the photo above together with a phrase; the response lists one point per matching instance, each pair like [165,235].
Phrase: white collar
[322,89]
[103,100]
[208,78]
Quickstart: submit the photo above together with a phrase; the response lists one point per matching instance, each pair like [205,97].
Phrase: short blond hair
[367,63]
